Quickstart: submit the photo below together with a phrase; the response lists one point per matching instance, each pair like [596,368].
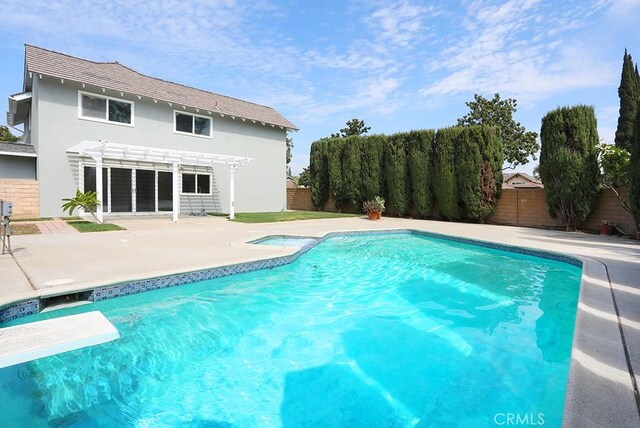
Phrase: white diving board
[26,342]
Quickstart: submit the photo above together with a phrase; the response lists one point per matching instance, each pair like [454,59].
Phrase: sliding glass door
[165,191]
[145,190]
[153,189]
[121,190]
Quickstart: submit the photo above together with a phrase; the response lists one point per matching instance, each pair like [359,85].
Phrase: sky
[397,65]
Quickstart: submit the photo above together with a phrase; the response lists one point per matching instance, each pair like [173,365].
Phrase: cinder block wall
[23,194]
[523,207]
[609,208]
[299,198]
[516,207]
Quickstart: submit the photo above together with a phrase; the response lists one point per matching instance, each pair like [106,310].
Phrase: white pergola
[99,150]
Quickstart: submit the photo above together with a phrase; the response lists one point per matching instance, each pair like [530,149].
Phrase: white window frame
[106,115]
[192,134]
[196,189]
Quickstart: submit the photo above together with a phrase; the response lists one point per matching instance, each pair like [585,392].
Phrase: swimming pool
[374,330]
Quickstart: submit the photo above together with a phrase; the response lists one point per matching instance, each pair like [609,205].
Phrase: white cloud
[519,48]
[400,23]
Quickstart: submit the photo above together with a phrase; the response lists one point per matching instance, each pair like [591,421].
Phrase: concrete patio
[605,370]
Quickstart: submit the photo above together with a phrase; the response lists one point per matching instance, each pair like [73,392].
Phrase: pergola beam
[99,150]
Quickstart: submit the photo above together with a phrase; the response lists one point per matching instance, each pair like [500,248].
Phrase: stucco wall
[23,194]
[259,186]
[17,167]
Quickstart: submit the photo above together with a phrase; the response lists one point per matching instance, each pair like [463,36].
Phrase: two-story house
[162,147]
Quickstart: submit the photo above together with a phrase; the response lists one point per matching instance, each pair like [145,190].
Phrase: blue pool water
[286,241]
[368,331]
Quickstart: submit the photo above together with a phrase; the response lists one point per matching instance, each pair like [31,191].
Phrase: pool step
[27,342]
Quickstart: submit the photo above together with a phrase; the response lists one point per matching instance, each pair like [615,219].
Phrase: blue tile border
[19,310]
[127,288]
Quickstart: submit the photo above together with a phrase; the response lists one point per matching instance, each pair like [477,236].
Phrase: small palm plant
[87,201]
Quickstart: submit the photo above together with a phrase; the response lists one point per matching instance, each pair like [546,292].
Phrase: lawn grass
[70,218]
[288,216]
[25,229]
[87,226]
[16,220]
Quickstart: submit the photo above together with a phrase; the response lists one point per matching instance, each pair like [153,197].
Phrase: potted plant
[374,207]
[607,227]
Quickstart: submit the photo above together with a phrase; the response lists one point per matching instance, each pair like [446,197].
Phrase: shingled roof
[117,77]
[19,149]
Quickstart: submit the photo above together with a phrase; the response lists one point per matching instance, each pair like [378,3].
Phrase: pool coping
[584,403]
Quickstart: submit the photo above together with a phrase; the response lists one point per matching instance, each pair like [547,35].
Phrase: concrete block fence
[23,194]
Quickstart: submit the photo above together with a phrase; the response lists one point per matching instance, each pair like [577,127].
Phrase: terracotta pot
[378,215]
[373,215]
[605,229]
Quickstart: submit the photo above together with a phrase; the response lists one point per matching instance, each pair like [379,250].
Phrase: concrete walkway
[606,344]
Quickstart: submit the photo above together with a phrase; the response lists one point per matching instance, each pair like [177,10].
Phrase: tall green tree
[569,163]
[518,143]
[444,178]
[478,168]
[351,166]
[634,174]
[336,179]
[7,137]
[319,173]
[372,173]
[354,127]
[395,164]
[629,93]
[419,149]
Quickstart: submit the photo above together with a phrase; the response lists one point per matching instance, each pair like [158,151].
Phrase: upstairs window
[107,109]
[192,124]
[196,183]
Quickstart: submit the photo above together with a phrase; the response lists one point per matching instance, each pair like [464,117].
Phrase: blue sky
[398,65]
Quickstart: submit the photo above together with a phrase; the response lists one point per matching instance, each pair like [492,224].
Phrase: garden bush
[569,163]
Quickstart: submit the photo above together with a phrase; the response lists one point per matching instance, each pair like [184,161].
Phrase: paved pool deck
[605,368]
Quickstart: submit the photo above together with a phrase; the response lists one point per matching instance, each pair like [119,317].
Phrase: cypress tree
[444,180]
[569,164]
[478,169]
[334,160]
[629,93]
[420,147]
[634,174]
[395,164]
[351,171]
[319,174]
[372,172]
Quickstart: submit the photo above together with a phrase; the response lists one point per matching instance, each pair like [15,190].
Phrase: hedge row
[455,173]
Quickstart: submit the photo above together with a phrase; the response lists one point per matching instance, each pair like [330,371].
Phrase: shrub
[319,174]
[478,155]
[419,147]
[396,170]
[569,164]
[351,171]
[371,166]
[444,180]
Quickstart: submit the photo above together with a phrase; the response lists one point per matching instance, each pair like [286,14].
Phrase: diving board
[26,342]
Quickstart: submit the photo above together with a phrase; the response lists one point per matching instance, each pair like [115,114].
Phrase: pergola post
[176,192]
[232,198]
[100,206]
